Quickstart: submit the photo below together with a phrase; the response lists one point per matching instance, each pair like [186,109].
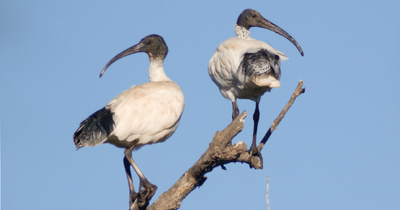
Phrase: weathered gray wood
[220,151]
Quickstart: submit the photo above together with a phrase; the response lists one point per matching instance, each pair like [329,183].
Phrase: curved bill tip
[264,23]
[102,72]
[290,38]
[129,51]
[301,51]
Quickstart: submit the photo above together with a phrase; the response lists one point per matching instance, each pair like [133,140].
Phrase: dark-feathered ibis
[145,114]
[246,68]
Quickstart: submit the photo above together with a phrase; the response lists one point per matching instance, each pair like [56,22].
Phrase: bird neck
[242,32]
[156,71]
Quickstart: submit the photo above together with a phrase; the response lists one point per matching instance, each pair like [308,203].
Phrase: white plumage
[246,68]
[148,113]
[145,114]
[225,70]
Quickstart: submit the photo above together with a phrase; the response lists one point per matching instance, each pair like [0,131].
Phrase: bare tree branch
[299,90]
[220,152]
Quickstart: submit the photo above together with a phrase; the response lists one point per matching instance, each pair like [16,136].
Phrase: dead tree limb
[220,151]
[299,90]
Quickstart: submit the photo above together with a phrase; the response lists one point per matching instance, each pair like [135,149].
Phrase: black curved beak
[264,23]
[129,51]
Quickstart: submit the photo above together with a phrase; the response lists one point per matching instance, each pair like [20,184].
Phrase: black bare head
[154,45]
[251,18]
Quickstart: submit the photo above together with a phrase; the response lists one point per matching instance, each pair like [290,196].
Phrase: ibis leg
[253,149]
[235,110]
[147,189]
[132,194]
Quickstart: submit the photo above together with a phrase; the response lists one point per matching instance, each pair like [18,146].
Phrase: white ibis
[246,68]
[144,114]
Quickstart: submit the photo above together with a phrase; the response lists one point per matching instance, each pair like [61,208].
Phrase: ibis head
[154,45]
[251,18]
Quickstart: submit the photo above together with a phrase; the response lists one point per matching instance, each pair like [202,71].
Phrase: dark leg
[132,194]
[253,149]
[147,189]
[235,110]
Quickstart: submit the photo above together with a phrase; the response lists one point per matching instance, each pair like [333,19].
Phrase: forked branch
[221,151]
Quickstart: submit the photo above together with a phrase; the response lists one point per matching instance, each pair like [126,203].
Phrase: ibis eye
[148,42]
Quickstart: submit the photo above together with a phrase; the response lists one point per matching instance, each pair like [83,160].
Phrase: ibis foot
[132,197]
[253,151]
[146,192]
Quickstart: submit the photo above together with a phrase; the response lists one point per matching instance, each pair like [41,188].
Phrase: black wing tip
[76,137]
[78,146]
[94,129]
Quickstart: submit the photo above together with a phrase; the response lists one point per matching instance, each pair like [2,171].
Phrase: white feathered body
[227,71]
[146,114]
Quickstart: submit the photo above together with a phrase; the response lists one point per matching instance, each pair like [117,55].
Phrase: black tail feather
[94,129]
[261,62]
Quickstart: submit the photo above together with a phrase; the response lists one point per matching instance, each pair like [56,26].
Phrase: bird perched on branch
[145,114]
[246,68]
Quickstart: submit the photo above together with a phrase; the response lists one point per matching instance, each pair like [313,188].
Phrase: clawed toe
[132,197]
[253,151]
[148,189]
[146,192]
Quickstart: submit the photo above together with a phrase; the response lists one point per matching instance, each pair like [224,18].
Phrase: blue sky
[337,148]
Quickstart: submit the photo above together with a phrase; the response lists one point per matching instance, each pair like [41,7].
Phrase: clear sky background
[337,148]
